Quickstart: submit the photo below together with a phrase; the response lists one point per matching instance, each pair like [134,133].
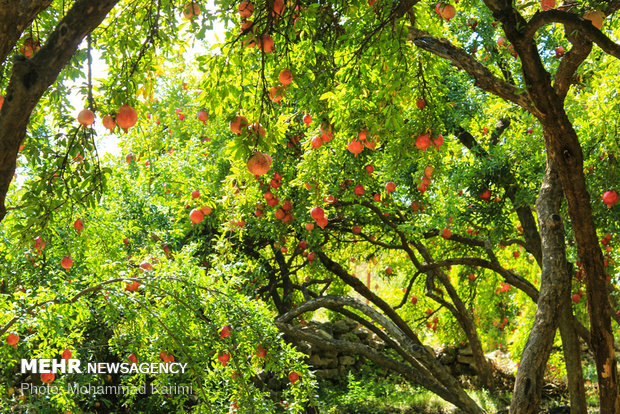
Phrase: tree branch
[590,32]
[483,77]
[32,77]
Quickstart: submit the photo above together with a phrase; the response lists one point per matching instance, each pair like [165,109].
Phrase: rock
[315,360]
[327,373]
[351,337]
[323,333]
[352,324]
[376,344]
[340,327]
[465,351]
[447,358]
[330,354]
[330,362]
[328,327]
[430,349]
[465,359]
[362,334]
[346,360]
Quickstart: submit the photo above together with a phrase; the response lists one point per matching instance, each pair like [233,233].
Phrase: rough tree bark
[565,155]
[555,286]
[30,78]
[564,150]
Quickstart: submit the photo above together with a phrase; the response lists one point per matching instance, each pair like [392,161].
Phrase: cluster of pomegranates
[424,141]
[263,41]
[356,146]
[125,117]
[276,93]
[326,134]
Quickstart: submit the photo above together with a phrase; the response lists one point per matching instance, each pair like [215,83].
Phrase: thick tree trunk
[572,358]
[555,285]
[566,157]
[565,153]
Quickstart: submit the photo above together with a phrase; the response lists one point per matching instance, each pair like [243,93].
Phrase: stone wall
[330,364]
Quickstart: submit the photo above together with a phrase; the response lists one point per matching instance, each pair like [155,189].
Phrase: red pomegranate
[317,213]
[447,12]
[191,10]
[278,7]
[285,77]
[423,142]
[203,116]
[259,163]
[547,4]
[246,9]
[355,147]
[257,130]
[86,117]
[267,44]
[66,262]
[108,122]
[238,123]
[610,198]
[196,216]
[316,142]
[126,117]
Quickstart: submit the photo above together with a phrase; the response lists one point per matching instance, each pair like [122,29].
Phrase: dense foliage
[316,160]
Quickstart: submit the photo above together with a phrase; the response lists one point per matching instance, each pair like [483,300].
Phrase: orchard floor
[368,393]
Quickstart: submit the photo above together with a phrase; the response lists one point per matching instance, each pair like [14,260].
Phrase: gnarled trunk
[555,287]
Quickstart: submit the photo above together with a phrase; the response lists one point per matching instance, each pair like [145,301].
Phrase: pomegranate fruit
[278,8]
[547,4]
[86,117]
[317,142]
[66,262]
[293,377]
[203,116]
[225,332]
[246,9]
[447,12]
[12,339]
[191,10]
[259,163]
[196,216]
[610,198]
[355,147]
[78,225]
[238,124]
[423,142]
[108,122]
[285,77]
[317,213]
[126,117]
[266,44]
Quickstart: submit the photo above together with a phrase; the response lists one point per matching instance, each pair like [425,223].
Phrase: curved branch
[590,32]
[483,77]
[418,351]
